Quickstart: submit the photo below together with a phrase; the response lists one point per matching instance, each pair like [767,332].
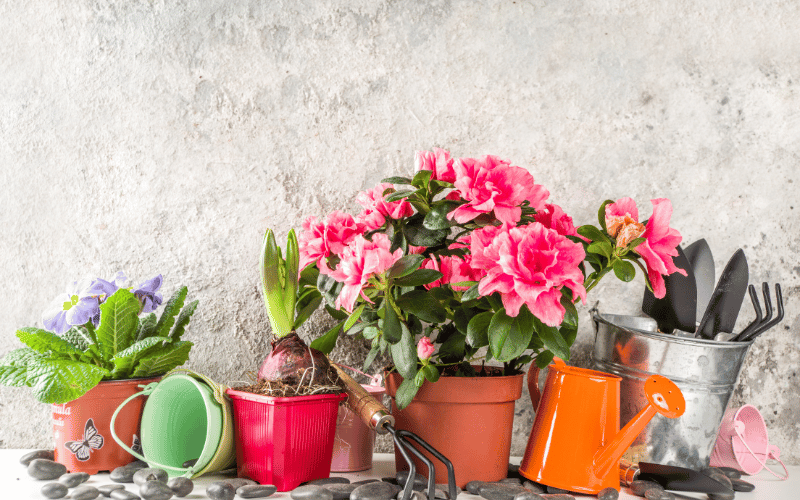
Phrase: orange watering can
[576,443]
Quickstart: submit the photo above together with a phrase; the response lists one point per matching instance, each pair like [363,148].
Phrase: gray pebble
[656,494]
[137,464]
[731,472]
[41,468]
[311,492]
[73,479]
[189,463]
[142,476]
[329,480]
[638,487]
[741,485]
[389,480]
[415,495]
[722,496]
[124,495]
[85,493]
[608,494]
[441,491]
[711,470]
[365,481]
[722,478]
[155,490]
[122,474]
[500,491]
[27,458]
[533,487]
[256,490]
[511,480]
[220,490]
[474,487]
[340,491]
[446,488]
[54,490]
[558,496]
[528,495]
[552,490]
[238,482]
[106,489]
[420,481]
[375,491]
[180,486]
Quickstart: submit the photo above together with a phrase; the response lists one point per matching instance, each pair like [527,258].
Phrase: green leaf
[454,348]
[399,195]
[61,381]
[183,320]
[419,235]
[163,360]
[601,216]
[171,309]
[478,329]
[291,275]
[635,243]
[373,352]
[327,342]
[397,180]
[44,341]
[329,288]
[336,313]
[370,332]
[78,337]
[624,270]
[419,277]
[354,317]
[20,357]
[508,337]
[593,233]
[421,304]
[404,354]
[422,178]
[272,282]
[405,393]
[552,339]
[14,376]
[437,217]
[431,373]
[471,294]
[419,378]
[406,265]
[124,360]
[147,326]
[392,331]
[570,315]
[307,311]
[543,359]
[119,319]
[602,247]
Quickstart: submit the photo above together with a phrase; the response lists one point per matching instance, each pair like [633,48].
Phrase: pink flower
[620,214]
[361,260]
[412,250]
[376,208]
[425,348]
[494,185]
[553,217]
[438,162]
[660,246]
[528,265]
[320,240]
[454,269]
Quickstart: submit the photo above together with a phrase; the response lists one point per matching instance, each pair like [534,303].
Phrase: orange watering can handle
[533,381]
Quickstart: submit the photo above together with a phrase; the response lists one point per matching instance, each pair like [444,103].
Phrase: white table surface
[16,484]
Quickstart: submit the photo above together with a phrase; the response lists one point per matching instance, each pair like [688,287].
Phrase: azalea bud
[425,348]
[629,232]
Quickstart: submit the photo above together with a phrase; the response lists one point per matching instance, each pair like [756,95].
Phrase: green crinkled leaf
[163,360]
[419,277]
[14,376]
[478,329]
[119,319]
[404,354]
[421,304]
[125,359]
[147,326]
[171,309]
[405,393]
[20,357]
[61,381]
[327,342]
[183,320]
[44,341]
[78,337]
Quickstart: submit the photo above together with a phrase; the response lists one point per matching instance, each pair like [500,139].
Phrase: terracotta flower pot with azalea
[467,262]
[101,340]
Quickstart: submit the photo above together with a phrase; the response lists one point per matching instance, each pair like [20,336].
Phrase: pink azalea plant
[469,254]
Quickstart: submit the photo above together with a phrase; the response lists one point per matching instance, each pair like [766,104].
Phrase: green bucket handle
[148,389]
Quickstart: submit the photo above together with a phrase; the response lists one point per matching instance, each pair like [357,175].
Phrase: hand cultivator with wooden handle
[378,418]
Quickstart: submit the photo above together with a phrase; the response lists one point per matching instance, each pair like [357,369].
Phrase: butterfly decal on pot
[137,444]
[92,440]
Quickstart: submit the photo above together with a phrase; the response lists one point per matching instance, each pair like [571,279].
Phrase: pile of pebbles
[730,477]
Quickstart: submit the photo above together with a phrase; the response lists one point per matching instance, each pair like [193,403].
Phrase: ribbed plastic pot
[468,419]
[82,428]
[284,441]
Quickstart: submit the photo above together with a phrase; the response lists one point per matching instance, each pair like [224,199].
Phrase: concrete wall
[165,137]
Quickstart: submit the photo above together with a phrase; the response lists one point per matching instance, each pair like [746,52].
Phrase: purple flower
[102,289]
[75,307]
[147,293]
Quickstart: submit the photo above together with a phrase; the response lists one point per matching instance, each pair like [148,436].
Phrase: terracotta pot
[468,419]
[83,441]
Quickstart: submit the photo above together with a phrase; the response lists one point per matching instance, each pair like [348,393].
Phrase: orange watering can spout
[663,397]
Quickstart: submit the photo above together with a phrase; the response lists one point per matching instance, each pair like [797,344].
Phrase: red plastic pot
[82,430]
[284,441]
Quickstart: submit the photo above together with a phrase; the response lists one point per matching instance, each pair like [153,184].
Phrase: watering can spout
[663,397]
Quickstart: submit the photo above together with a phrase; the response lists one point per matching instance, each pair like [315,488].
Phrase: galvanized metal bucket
[706,371]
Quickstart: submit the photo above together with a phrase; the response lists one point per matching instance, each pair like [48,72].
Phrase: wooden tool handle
[362,403]
[628,472]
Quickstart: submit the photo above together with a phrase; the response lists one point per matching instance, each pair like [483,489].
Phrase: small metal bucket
[706,371]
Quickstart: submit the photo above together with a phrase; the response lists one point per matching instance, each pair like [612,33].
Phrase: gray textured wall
[155,136]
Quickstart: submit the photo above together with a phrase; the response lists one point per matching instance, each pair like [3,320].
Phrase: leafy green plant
[61,368]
